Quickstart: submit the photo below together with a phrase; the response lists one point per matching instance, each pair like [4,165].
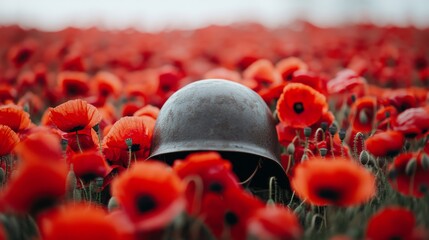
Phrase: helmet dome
[223,116]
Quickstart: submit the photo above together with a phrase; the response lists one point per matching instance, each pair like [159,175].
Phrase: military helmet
[223,116]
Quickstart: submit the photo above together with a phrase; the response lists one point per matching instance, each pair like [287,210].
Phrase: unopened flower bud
[64,144]
[342,134]
[129,142]
[324,126]
[112,204]
[333,129]
[290,149]
[307,132]
[96,127]
[99,182]
[363,118]
[323,151]
[364,157]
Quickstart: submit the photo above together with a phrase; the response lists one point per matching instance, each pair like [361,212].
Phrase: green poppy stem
[77,142]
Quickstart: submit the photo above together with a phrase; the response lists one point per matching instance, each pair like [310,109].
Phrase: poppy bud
[64,144]
[425,162]
[112,204]
[387,114]
[333,129]
[307,132]
[411,167]
[99,182]
[129,142]
[392,174]
[71,183]
[363,118]
[96,127]
[364,157]
[290,149]
[323,151]
[342,134]
[324,126]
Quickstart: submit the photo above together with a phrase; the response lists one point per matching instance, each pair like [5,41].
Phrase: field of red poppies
[78,108]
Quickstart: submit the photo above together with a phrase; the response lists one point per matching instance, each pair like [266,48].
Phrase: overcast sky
[161,14]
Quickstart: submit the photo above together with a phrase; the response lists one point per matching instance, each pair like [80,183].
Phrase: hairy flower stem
[272,190]
[77,142]
[358,136]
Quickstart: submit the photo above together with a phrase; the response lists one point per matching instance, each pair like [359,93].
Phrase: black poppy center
[43,203]
[298,107]
[135,147]
[216,187]
[329,194]
[88,177]
[395,238]
[145,203]
[231,218]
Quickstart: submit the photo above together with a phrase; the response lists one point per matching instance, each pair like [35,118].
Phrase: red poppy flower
[271,93]
[262,71]
[241,206]
[128,128]
[385,144]
[8,140]
[391,223]
[345,84]
[300,106]
[73,84]
[316,181]
[78,221]
[409,181]
[150,193]
[75,115]
[89,165]
[309,79]
[129,108]
[286,67]
[7,93]
[274,223]
[347,81]
[40,147]
[147,110]
[86,139]
[363,114]
[169,79]
[215,173]
[142,83]
[107,84]
[74,62]
[385,112]
[14,117]
[413,122]
[35,186]
[401,99]
[21,53]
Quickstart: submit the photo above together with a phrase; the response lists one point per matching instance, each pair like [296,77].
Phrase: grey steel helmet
[223,116]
